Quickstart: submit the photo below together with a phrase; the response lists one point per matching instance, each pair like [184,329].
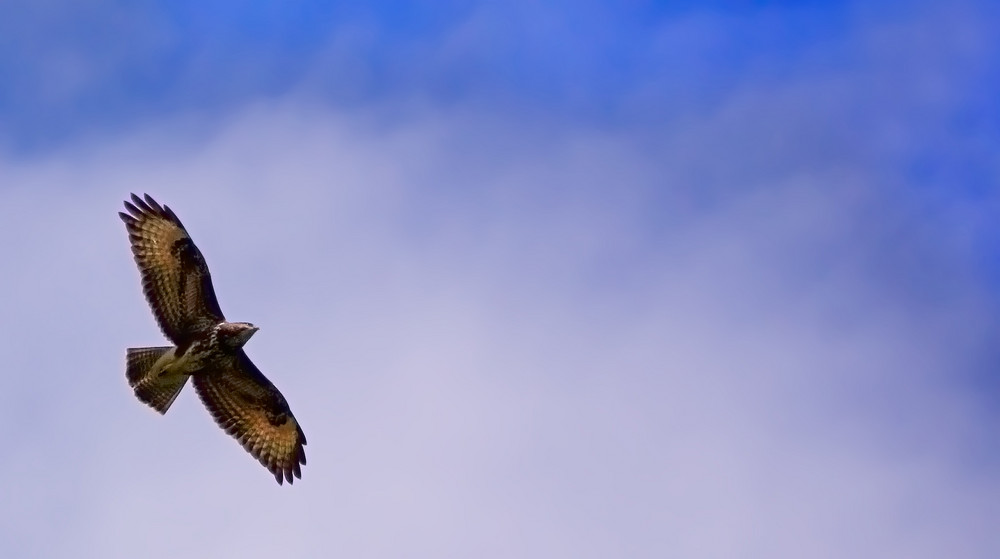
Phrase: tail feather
[158,392]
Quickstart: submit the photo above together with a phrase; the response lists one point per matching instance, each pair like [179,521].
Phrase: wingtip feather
[136,212]
[146,206]
[138,202]
[153,204]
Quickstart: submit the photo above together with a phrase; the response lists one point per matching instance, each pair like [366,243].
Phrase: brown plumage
[178,287]
[175,277]
[250,408]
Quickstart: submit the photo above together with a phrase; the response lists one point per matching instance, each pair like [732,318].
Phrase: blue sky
[697,279]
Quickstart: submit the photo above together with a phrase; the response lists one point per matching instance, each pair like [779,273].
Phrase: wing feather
[175,277]
[250,409]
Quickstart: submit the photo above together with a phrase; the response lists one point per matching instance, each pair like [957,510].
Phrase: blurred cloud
[72,71]
[524,368]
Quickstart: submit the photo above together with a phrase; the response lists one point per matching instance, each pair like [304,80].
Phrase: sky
[590,279]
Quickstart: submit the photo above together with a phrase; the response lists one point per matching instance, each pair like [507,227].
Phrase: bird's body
[207,348]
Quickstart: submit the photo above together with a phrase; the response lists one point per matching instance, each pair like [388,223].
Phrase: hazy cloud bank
[528,346]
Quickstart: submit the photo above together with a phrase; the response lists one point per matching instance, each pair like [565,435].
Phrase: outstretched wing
[175,277]
[247,406]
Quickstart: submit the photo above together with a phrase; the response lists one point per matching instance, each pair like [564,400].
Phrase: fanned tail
[158,392]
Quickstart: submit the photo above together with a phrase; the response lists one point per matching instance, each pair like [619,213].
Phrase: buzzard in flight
[206,347]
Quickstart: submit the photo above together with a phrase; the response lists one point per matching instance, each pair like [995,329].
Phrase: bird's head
[235,334]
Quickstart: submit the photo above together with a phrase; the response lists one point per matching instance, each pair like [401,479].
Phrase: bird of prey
[206,347]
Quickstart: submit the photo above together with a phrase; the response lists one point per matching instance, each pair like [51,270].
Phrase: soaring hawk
[206,347]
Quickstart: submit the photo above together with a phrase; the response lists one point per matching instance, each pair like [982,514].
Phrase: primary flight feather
[207,348]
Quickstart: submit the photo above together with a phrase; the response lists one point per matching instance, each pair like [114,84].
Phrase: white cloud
[497,348]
